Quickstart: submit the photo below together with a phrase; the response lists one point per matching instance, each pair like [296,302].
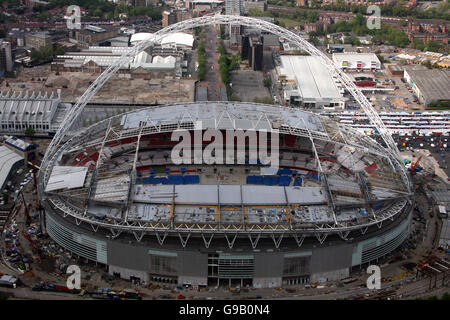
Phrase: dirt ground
[428,162]
[117,89]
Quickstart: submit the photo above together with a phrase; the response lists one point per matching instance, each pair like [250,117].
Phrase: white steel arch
[289,36]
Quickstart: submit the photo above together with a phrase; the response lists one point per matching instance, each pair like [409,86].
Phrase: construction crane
[414,165]
[27,236]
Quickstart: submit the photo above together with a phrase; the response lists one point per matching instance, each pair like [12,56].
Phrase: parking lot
[248,85]
[402,90]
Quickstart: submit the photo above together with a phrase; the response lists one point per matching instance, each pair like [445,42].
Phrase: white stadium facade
[113,195]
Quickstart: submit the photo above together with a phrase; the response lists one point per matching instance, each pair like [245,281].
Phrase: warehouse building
[179,40]
[306,81]
[19,111]
[159,64]
[9,161]
[93,34]
[428,85]
[38,39]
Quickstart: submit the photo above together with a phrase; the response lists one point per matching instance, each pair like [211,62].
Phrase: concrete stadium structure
[113,195]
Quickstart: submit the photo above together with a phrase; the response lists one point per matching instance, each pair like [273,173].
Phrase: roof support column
[322,176]
[133,176]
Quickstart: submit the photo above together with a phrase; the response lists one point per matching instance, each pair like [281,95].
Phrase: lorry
[54,287]
[8,281]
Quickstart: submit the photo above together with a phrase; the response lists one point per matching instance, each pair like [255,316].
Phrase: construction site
[120,89]
[114,199]
[117,191]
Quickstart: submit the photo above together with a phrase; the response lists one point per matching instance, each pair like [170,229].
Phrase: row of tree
[227,63]
[42,54]
[100,8]
[439,105]
[201,58]
[393,10]
[441,11]
[358,26]
[297,14]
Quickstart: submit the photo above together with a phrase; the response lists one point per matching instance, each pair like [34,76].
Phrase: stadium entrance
[230,270]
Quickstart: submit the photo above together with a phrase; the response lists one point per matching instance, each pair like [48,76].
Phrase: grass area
[288,23]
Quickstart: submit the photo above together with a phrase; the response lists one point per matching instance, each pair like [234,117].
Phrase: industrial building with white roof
[24,109]
[429,85]
[308,82]
[163,60]
[357,61]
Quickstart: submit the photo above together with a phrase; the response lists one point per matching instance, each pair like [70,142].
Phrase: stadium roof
[224,116]
[313,80]
[8,158]
[229,194]
[329,171]
[66,177]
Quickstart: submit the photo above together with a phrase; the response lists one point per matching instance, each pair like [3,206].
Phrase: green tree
[428,64]
[34,55]
[314,40]
[59,51]
[29,132]
[418,45]
[201,59]
[45,53]
[433,45]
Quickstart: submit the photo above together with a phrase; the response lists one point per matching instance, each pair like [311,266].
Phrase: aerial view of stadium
[113,195]
[212,156]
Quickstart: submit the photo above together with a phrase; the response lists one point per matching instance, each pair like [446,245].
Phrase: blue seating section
[269,180]
[285,171]
[191,179]
[283,178]
[170,180]
[155,180]
[175,179]
[312,176]
[298,182]
[285,181]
